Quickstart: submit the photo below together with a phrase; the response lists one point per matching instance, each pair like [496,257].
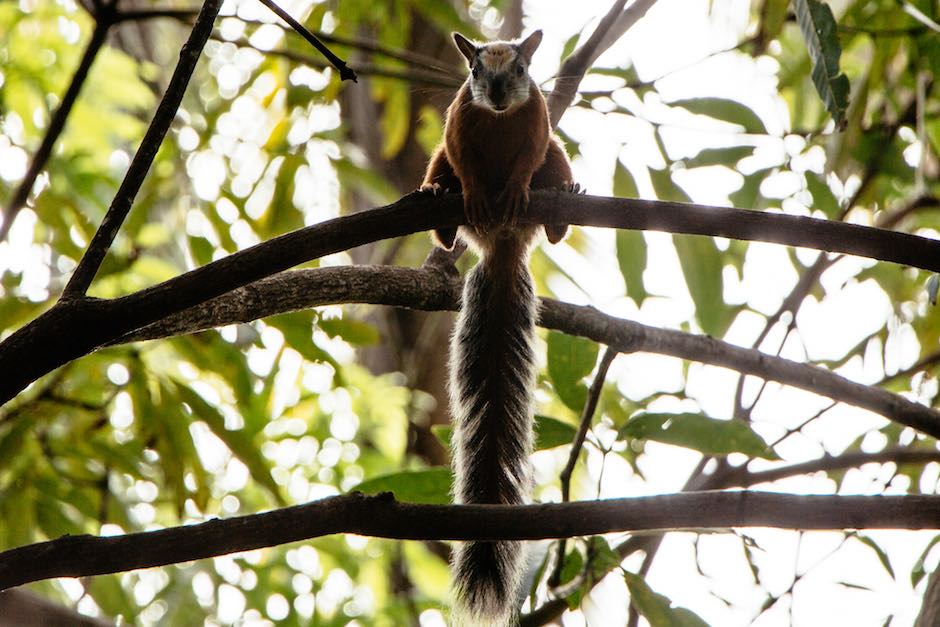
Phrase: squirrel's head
[499,70]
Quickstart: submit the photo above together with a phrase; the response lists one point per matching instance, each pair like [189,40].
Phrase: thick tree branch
[77,326]
[140,165]
[433,289]
[56,125]
[382,516]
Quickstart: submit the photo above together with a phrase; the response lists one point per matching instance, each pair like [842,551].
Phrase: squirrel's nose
[496,92]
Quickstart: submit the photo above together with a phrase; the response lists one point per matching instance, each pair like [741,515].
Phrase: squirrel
[498,144]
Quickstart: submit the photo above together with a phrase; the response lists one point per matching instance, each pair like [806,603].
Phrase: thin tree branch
[611,27]
[741,477]
[345,72]
[587,414]
[166,111]
[382,516]
[130,15]
[923,363]
[18,200]
[359,43]
[432,78]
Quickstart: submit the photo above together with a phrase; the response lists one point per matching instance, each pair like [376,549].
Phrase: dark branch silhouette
[149,145]
[77,326]
[383,516]
[345,72]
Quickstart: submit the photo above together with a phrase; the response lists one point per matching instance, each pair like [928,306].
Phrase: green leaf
[237,440]
[723,109]
[701,433]
[665,187]
[573,564]
[719,156]
[549,433]
[882,556]
[297,328]
[918,571]
[430,486]
[656,608]
[570,359]
[748,195]
[430,128]
[624,183]
[201,249]
[395,121]
[823,198]
[353,331]
[819,30]
[444,434]
[702,265]
[628,74]
[602,557]
[631,255]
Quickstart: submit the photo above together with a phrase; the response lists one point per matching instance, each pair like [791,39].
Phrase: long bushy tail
[492,376]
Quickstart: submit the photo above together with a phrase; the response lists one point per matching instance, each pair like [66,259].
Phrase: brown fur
[497,146]
[494,159]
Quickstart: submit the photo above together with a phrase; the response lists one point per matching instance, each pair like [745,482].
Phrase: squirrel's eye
[476,72]
[520,70]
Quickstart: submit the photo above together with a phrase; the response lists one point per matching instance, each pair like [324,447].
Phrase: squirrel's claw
[477,210]
[572,188]
[515,199]
[434,189]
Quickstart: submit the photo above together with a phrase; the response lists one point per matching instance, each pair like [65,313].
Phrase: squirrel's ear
[530,44]
[466,47]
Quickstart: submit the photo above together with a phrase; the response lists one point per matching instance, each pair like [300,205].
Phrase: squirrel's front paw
[572,188]
[515,199]
[477,209]
[433,189]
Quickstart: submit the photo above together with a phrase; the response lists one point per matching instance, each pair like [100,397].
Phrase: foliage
[284,410]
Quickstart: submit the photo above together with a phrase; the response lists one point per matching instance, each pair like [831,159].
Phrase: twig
[56,125]
[383,516]
[435,79]
[345,72]
[166,111]
[359,43]
[742,478]
[587,415]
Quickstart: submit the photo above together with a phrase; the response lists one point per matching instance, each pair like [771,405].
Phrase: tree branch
[741,477]
[433,78]
[345,72]
[166,111]
[431,289]
[382,516]
[611,27]
[587,415]
[75,327]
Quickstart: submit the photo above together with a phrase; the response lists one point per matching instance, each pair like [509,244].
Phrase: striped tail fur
[492,377]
